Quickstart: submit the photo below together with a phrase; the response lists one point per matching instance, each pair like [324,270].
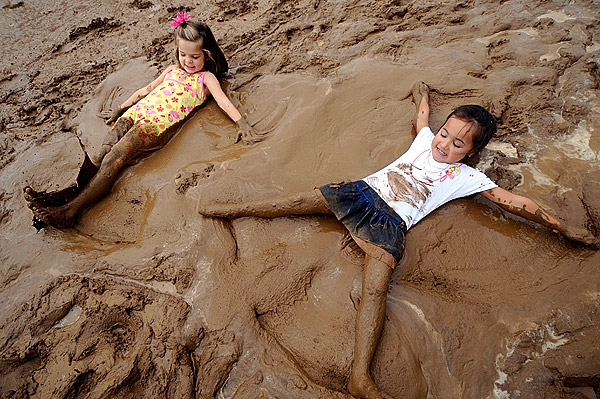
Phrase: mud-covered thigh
[139,141]
[119,129]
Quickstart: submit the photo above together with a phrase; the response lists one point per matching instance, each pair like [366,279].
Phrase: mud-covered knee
[376,291]
[111,163]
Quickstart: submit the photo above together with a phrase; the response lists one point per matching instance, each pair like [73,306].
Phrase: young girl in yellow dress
[148,119]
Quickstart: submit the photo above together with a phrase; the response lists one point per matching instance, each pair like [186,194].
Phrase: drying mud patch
[85,336]
[554,358]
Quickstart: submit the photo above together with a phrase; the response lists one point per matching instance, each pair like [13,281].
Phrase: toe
[28,193]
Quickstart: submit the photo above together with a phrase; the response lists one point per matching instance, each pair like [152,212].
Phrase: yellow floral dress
[169,103]
[144,127]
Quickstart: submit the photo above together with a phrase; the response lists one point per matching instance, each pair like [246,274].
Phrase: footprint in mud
[96,24]
[120,341]
[5,211]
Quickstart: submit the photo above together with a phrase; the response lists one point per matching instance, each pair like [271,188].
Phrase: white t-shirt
[415,184]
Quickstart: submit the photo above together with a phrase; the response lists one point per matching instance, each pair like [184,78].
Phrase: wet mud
[146,298]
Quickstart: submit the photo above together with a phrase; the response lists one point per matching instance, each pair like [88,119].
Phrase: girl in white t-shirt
[379,209]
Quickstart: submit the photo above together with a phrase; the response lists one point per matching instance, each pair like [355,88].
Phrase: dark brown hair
[484,124]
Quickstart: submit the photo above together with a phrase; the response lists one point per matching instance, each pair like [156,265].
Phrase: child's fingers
[583,236]
[114,116]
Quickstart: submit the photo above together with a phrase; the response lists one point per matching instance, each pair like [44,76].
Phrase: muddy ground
[145,298]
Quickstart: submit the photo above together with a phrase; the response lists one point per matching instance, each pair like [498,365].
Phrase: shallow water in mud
[144,297]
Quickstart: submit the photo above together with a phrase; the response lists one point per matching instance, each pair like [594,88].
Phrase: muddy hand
[246,133]
[418,91]
[115,115]
[242,127]
[581,235]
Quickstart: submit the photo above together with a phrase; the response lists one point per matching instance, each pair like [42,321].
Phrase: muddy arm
[420,95]
[137,96]
[220,97]
[246,132]
[529,209]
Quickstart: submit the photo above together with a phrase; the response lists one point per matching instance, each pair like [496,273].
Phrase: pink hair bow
[181,18]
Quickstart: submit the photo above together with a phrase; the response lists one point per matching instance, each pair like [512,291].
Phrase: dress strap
[201,78]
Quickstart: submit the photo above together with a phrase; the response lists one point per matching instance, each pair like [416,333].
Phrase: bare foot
[364,387]
[55,216]
[31,196]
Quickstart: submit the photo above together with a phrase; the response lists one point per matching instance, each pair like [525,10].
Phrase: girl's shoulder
[209,75]
[210,79]
[167,71]
[426,131]
[424,138]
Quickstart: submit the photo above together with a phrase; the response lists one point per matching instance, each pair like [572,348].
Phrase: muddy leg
[120,128]
[308,203]
[97,160]
[65,215]
[369,324]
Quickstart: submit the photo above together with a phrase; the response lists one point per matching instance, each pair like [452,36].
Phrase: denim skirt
[366,215]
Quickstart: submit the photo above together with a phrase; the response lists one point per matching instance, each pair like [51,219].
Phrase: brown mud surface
[145,298]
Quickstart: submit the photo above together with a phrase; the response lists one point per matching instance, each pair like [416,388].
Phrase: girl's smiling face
[453,142]
[191,56]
